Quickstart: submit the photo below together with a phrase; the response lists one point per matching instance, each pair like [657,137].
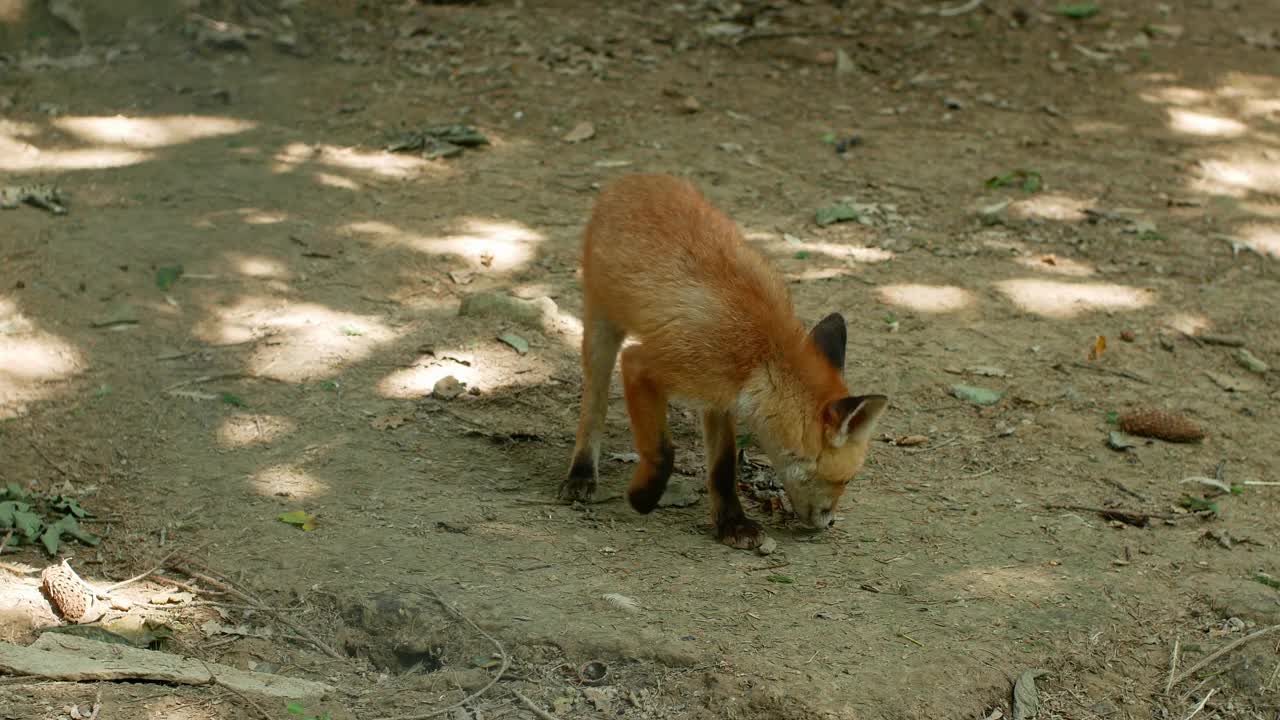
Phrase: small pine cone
[68,593]
[1169,426]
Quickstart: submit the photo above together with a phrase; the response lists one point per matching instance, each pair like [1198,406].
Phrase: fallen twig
[531,705]
[124,583]
[1121,487]
[796,33]
[1173,667]
[251,600]
[1118,373]
[1137,518]
[46,458]
[1262,483]
[506,662]
[1223,651]
[1200,705]
[960,9]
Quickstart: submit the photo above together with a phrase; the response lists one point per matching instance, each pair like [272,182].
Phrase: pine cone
[1173,427]
[70,597]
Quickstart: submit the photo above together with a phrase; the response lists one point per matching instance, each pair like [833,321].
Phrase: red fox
[716,328]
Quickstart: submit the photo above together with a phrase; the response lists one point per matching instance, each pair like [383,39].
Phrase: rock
[1119,441]
[679,494]
[844,63]
[993,214]
[580,132]
[690,105]
[1241,597]
[447,388]
[976,395]
[533,313]
[1250,362]
[768,546]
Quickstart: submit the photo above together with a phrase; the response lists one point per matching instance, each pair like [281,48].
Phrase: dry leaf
[1099,347]
[911,440]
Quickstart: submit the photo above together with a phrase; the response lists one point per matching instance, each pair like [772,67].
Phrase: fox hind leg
[600,342]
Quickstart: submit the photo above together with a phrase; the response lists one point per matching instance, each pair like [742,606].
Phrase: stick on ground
[1223,651]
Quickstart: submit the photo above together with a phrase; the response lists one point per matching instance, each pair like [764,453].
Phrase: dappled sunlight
[1055,299]
[1051,206]
[12,11]
[926,298]
[150,132]
[1198,123]
[379,163]
[848,253]
[1175,95]
[258,266]
[1187,323]
[500,245]
[310,340]
[417,381]
[1241,172]
[336,181]
[246,429]
[1098,127]
[30,360]
[1056,265]
[17,156]
[287,481]
[263,217]
[1026,582]
[1262,239]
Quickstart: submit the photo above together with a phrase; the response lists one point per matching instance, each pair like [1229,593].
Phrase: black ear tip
[834,318]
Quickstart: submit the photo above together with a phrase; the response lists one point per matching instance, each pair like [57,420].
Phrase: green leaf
[1269,580]
[780,579]
[14,491]
[801,254]
[231,399]
[1030,180]
[70,526]
[485,661]
[300,519]
[295,708]
[976,395]
[1078,11]
[18,515]
[1195,504]
[517,343]
[832,214]
[167,276]
[51,538]
[1113,417]
[829,138]
[69,506]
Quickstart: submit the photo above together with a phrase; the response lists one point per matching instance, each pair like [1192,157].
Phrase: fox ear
[853,418]
[829,336]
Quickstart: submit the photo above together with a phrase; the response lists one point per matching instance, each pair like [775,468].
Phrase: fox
[712,326]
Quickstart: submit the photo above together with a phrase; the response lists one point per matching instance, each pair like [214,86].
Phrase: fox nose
[831,522]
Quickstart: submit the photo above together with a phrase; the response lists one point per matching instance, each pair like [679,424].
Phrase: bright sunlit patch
[243,430]
[336,181]
[1099,127]
[926,298]
[311,341]
[1050,206]
[500,245]
[30,359]
[1027,582]
[263,217]
[1063,300]
[150,132]
[849,253]
[16,128]
[1175,96]
[1188,323]
[1057,265]
[288,481]
[1197,123]
[259,266]
[16,156]
[379,162]
[1242,173]
[418,381]
[1262,239]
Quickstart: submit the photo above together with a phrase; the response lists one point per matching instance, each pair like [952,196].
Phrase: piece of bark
[67,657]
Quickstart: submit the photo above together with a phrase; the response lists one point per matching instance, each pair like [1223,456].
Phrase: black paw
[580,485]
[739,531]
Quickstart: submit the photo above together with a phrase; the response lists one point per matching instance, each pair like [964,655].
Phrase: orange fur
[715,326]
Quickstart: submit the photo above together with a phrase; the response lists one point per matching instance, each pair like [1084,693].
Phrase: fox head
[818,440]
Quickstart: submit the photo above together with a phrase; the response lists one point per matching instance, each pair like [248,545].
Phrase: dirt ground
[291,365]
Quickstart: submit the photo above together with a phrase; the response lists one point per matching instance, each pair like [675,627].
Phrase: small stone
[844,63]
[953,104]
[768,546]
[1119,441]
[580,132]
[1250,362]
[993,214]
[690,105]
[447,388]
[1128,335]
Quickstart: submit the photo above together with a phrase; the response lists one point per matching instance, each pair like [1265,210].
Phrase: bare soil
[291,365]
